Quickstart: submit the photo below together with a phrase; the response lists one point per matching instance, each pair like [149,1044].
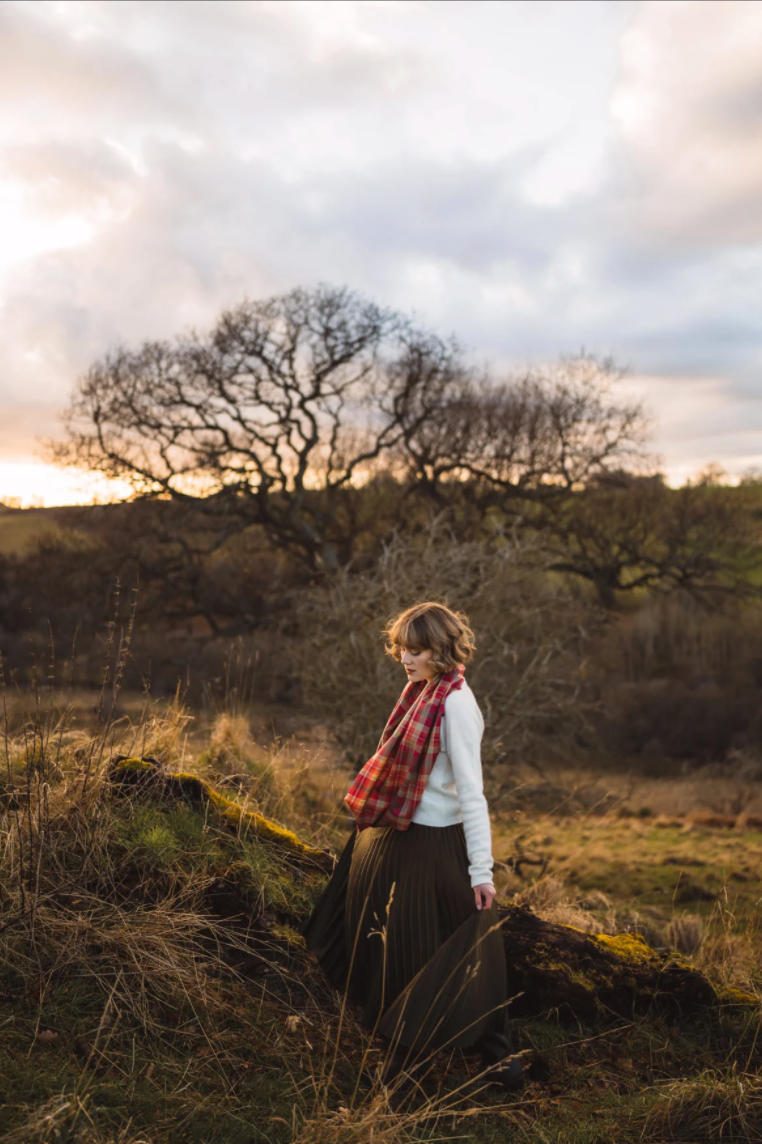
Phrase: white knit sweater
[454,792]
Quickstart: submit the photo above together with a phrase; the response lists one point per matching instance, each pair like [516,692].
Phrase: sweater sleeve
[463,731]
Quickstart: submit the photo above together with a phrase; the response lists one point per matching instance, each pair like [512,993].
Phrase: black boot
[499,1063]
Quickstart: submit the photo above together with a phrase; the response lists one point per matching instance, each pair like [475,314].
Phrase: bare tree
[537,436]
[287,407]
[271,418]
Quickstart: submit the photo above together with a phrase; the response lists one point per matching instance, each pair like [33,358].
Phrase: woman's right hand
[485,895]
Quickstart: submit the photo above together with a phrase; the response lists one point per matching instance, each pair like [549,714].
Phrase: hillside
[21,529]
[154,989]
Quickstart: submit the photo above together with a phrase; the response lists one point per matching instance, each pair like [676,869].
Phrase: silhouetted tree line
[300,437]
[325,421]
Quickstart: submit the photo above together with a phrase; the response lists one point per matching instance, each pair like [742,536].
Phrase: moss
[627,946]
[157,846]
[582,981]
[737,998]
[288,935]
[159,838]
[260,874]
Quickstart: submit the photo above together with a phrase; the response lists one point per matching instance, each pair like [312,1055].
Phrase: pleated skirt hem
[398,928]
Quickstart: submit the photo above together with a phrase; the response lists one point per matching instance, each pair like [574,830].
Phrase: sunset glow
[26,233]
[32,483]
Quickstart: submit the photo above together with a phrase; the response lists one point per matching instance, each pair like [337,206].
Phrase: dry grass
[707,1108]
[378,1119]
[137,1010]
[21,530]
[686,934]
[612,875]
[108,932]
[63,1119]
[149,953]
[548,897]
[732,947]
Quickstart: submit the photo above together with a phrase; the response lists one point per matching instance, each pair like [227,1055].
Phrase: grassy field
[153,986]
[21,529]
[658,866]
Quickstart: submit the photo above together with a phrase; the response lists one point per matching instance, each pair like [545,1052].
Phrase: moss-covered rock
[147,775]
[584,976]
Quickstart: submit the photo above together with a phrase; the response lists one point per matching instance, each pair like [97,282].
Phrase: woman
[408,923]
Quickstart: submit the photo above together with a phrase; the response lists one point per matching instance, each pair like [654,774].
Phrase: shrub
[531,627]
[680,682]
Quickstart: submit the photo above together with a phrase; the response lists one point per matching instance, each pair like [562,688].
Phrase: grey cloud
[453,238]
[208,228]
[689,109]
[61,176]
[470,213]
[706,346]
[191,64]
[738,110]
[42,65]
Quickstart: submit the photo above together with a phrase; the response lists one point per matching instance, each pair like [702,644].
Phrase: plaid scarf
[389,787]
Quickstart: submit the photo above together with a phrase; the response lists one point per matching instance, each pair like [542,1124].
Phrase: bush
[531,627]
[678,681]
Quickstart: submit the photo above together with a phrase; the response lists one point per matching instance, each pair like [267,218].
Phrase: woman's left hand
[484,895]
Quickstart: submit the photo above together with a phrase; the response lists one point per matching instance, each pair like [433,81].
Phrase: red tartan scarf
[389,787]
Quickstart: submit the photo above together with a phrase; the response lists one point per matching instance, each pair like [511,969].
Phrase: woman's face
[417,664]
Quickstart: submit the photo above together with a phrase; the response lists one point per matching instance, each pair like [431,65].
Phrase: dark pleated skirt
[397,926]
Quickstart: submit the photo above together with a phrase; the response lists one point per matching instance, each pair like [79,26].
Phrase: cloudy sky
[532,176]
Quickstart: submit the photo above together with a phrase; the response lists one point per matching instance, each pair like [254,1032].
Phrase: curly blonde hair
[432,626]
